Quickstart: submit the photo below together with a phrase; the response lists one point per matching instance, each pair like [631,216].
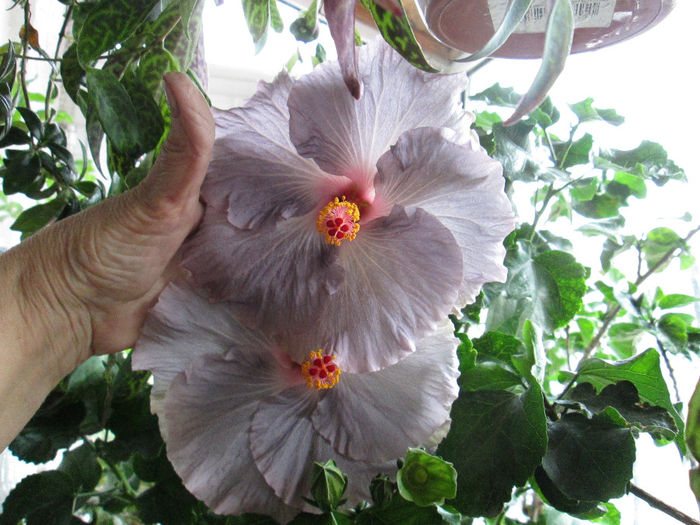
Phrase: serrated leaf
[589,459]
[110,22]
[644,371]
[490,429]
[426,479]
[399,35]
[624,398]
[45,498]
[557,44]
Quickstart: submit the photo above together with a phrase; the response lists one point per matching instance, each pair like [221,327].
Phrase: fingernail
[172,103]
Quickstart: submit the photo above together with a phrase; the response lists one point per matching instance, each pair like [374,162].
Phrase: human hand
[82,286]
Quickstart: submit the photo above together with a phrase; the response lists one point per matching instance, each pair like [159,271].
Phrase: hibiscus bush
[527,401]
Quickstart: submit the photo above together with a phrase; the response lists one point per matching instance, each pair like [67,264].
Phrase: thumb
[177,174]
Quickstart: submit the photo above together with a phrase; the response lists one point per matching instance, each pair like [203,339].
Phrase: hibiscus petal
[401,278]
[207,417]
[180,327]
[346,136]
[376,416]
[285,446]
[461,186]
[340,15]
[255,174]
[278,278]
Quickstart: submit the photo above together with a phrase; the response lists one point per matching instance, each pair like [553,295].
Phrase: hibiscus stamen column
[339,221]
[319,371]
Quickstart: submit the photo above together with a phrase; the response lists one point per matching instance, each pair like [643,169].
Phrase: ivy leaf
[585,112]
[624,398]
[109,23]
[425,479]
[399,35]
[589,459]
[496,441]
[42,499]
[644,371]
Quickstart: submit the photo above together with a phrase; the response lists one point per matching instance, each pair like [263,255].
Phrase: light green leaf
[426,479]
[585,112]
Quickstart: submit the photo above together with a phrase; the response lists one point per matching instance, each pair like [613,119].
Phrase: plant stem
[614,310]
[671,374]
[663,507]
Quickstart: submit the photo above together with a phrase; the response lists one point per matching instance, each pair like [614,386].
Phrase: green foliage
[426,479]
[328,484]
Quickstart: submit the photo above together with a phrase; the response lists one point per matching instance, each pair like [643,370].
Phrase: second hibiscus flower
[368,220]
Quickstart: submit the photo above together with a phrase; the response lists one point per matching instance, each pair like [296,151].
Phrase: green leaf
[584,189]
[153,65]
[563,280]
[633,182]
[400,512]
[585,112]
[36,217]
[115,111]
[150,124]
[42,499]
[399,35]
[497,95]
[648,159]
[599,207]
[675,327]
[425,479]
[82,466]
[275,18]
[33,122]
[556,498]
[110,22]
[328,485]
[496,440]
[692,429]
[676,300]
[257,15]
[557,44]
[305,27]
[589,459]
[624,398]
[577,152]
[644,371]
[658,243]
[624,338]
[22,172]
[166,502]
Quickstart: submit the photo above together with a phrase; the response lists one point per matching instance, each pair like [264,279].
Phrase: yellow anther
[339,221]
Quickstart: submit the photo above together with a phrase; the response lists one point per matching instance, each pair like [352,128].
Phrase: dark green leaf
[82,466]
[33,122]
[624,398]
[649,158]
[168,503]
[692,429]
[563,280]
[150,124]
[601,206]
[675,327]
[152,66]
[589,459]
[42,499]
[14,136]
[305,27]
[426,479]
[585,112]
[115,111]
[557,44]
[495,442]
[399,35]
[56,425]
[557,499]
[72,73]
[23,172]
[36,217]
[497,95]
[643,371]
[400,512]
[110,22]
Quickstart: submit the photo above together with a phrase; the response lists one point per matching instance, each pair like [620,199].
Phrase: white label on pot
[587,13]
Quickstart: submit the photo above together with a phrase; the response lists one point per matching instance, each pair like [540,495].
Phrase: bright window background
[652,80]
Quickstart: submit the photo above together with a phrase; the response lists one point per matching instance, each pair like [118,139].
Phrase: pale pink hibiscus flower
[243,423]
[363,222]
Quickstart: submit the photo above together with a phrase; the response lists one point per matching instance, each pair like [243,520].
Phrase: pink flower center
[319,371]
[339,221]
